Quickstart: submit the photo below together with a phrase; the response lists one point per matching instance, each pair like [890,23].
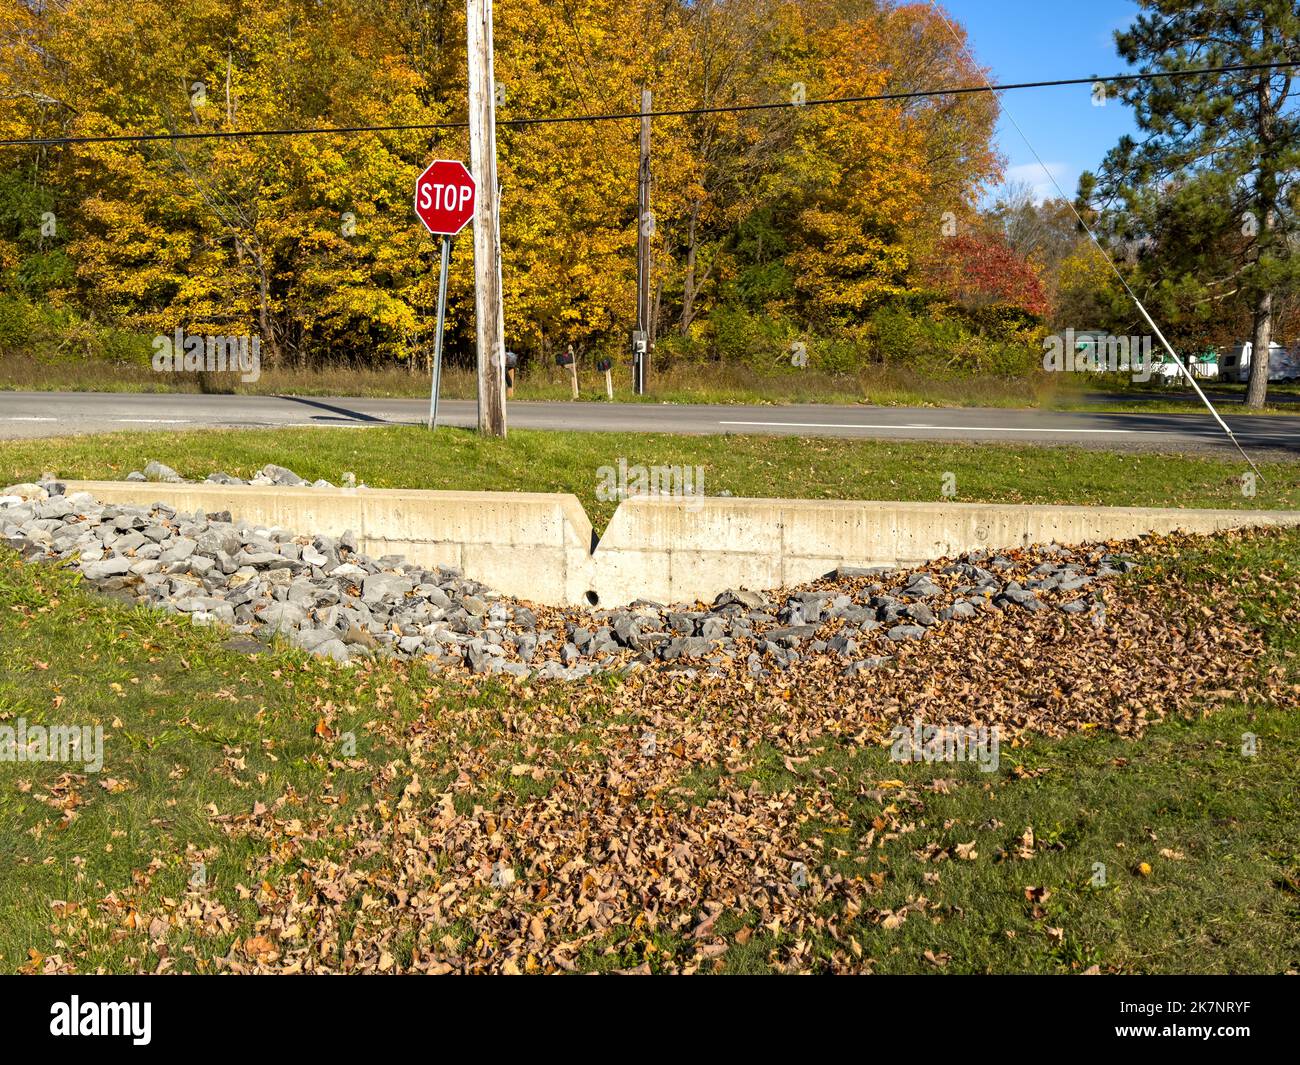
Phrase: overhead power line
[541,120]
[1191,378]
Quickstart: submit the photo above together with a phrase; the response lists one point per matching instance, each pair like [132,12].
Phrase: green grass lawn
[229,822]
[757,466]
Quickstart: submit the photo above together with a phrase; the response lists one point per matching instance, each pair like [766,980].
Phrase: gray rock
[920,613]
[795,614]
[713,628]
[627,630]
[332,649]
[685,647]
[56,507]
[310,639]
[201,566]
[844,646]
[280,475]
[899,633]
[1022,597]
[376,587]
[110,567]
[130,542]
[549,671]
[741,597]
[178,550]
[156,471]
[792,632]
[283,616]
[27,491]
[681,624]
[922,588]
[849,573]
[477,658]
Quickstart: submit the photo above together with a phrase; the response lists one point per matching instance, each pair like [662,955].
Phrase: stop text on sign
[445,197]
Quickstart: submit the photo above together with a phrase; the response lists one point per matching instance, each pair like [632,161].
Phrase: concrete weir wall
[524,544]
[540,547]
[674,550]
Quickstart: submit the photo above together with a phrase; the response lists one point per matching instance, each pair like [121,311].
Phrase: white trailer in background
[1283,365]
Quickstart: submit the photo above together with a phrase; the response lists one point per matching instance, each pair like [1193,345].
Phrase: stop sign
[444,197]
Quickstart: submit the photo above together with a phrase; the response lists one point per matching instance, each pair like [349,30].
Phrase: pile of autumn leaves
[636,823]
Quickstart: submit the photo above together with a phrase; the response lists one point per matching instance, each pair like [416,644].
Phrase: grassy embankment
[772,467]
[228,821]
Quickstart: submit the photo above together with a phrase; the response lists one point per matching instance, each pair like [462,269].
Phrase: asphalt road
[41,414]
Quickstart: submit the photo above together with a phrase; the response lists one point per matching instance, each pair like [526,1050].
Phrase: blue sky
[1042,40]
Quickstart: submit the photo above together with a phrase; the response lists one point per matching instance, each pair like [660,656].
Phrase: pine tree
[1211,186]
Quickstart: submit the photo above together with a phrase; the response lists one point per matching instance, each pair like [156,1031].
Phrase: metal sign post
[437,340]
[445,196]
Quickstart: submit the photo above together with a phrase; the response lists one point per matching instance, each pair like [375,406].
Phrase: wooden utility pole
[487,239]
[645,230]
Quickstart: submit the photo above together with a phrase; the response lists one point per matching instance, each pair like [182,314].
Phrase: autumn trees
[302,240]
[811,217]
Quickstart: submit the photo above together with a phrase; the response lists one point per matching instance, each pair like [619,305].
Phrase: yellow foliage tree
[812,214]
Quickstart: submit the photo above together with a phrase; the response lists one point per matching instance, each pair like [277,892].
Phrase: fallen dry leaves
[562,838]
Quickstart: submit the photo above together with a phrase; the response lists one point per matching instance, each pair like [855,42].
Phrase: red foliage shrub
[980,270]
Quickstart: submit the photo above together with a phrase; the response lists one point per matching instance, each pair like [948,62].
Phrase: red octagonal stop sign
[444,197]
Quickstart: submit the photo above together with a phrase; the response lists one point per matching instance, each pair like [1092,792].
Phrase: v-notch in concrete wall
[541,547]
